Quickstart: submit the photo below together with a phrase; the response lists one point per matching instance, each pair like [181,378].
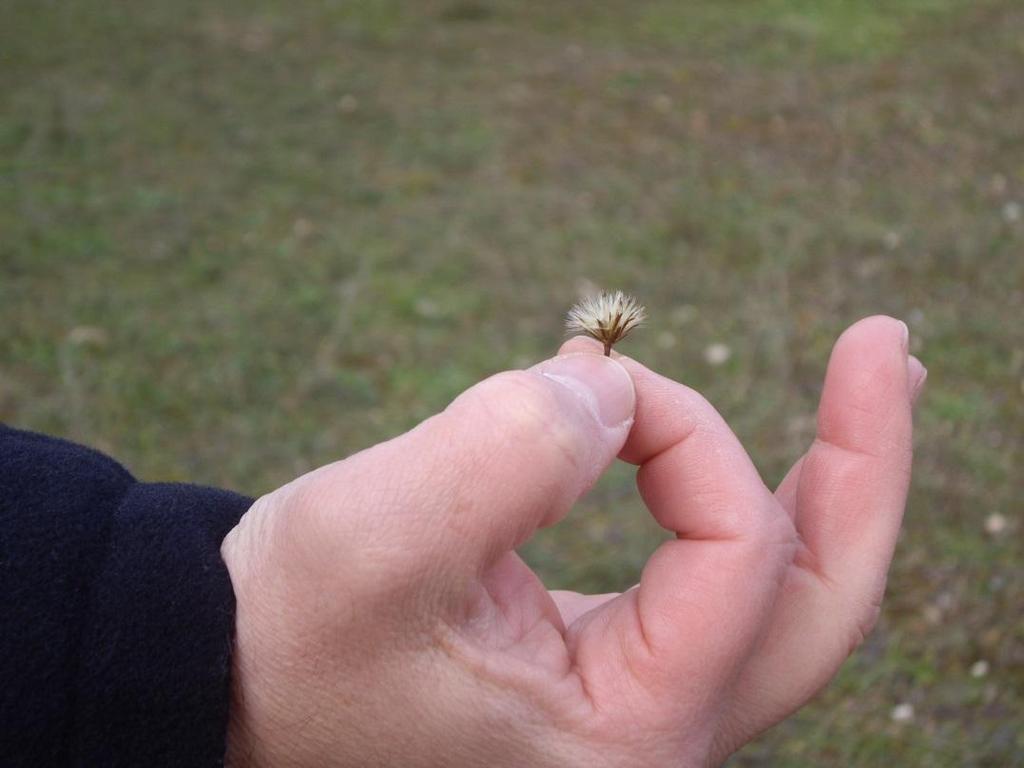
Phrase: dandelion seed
[607,317]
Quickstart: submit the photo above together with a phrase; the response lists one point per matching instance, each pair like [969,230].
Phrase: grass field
[241,239]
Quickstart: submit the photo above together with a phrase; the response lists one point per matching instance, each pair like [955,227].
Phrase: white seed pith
[607,317]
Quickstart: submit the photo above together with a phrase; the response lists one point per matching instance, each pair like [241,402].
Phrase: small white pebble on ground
[870,267]
[995,523]
[683,314]
[717,353]
[348,103]
[892,240]
[979,668]
[87,334]
[902,713]
[427,309]
[302,228]
[1012,211]
[932,614]
[666,340]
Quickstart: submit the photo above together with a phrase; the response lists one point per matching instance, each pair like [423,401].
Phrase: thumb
[509,455]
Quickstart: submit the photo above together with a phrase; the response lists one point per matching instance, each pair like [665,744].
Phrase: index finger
[703,597]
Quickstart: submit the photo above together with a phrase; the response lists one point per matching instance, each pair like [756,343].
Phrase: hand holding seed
[384,618]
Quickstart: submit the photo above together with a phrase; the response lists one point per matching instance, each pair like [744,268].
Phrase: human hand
[384,619]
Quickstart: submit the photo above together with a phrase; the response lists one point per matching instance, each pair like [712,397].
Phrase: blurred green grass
[238,240]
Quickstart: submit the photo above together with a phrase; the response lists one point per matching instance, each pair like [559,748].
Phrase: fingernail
[905,338]
[917,374]
[602,383]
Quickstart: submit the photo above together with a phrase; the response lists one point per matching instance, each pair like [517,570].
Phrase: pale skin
[384,618]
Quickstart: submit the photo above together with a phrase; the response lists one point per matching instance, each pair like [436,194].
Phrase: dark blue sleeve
[116,612]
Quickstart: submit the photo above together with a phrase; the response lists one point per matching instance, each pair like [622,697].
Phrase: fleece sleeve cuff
[116,612]
[154,681]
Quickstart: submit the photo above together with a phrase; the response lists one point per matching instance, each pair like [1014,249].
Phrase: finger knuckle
[863,626]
